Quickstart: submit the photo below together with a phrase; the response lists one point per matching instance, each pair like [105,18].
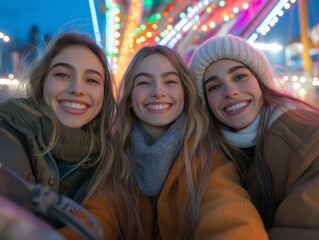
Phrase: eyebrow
[144,74]
[229,71]
[69,66]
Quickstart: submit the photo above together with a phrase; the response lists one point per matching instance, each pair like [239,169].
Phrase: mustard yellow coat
[226,212]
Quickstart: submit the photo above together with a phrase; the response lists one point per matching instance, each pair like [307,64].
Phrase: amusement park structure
[182,25]
[126,25]
[121,27]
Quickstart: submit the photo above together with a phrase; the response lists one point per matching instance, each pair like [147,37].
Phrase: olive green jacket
[23,137]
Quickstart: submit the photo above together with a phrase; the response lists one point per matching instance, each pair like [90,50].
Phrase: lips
[158,106]
[237,106]
[74,105]
[79,106]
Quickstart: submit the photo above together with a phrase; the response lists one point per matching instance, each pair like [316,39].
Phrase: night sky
[53,16]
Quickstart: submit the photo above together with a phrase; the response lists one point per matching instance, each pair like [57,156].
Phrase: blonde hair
[101,124]
[194,132]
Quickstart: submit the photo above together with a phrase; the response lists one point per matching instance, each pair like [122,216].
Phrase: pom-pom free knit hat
[233,48]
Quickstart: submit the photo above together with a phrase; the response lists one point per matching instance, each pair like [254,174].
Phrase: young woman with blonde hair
[59,134]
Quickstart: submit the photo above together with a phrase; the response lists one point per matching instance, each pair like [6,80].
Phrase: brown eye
[210,88]
[61,75]
[93,81]
[240,76]
[171,81]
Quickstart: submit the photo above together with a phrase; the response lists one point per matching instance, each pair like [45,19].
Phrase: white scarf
[246,137]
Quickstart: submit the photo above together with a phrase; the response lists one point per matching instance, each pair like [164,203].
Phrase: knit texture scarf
[152,160]
[246,137]
[38,131]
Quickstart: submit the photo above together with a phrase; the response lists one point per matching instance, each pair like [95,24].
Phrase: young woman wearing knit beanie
[169,181]
[272,137]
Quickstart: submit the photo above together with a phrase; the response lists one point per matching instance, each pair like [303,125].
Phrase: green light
[117,10]
[148,4]
[222,3]
[143,27]
[182,15]
[152,18]
[212,25]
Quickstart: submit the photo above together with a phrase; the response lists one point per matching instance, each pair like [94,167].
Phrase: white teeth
[158,106]
[236,106]
[74,105]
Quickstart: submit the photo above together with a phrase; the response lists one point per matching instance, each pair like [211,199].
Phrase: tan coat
[226,212]
[293,157]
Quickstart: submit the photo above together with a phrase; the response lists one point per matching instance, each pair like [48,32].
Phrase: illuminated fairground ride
[124,26]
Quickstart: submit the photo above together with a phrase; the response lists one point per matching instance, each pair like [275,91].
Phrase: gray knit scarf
[152,160]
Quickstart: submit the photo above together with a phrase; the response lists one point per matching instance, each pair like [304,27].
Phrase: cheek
[213,102]
[177,94]
[135,98]
[48,90]
[99,93]
[135,105]
[259,101]
[258,95]
[99,99]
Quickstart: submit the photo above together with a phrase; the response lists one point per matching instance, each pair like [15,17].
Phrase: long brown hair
[307,113]
[194,132]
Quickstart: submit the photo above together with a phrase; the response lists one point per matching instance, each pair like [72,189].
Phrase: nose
[76,87]
[157,91]
[231,90]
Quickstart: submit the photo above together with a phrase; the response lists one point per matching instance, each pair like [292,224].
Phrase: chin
[71,125]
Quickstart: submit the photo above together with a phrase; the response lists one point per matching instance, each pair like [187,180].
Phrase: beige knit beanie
[234,48]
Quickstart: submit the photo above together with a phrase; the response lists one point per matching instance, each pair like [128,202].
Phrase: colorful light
[270,20]
[95,24]
[181,25]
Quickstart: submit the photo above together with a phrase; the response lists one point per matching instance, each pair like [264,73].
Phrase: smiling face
[233,93]
[74,87]
[157,94]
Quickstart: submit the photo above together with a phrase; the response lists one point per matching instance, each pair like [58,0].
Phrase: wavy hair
[193,143]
